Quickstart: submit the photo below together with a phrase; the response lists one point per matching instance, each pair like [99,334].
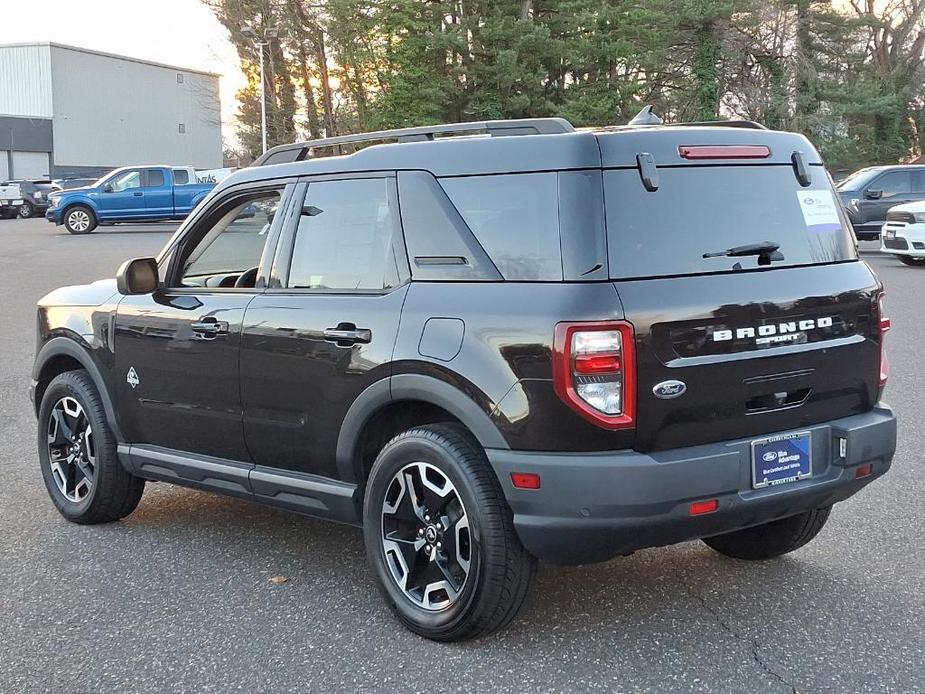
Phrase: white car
[903,234]
[10,200]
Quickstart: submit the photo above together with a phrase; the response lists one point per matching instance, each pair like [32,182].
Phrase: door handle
[138,195]
[210,327]
[347,334]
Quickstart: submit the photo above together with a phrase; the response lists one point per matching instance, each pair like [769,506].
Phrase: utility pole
[268,35]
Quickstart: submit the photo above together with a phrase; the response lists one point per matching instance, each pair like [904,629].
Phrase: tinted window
[233,244]
[516,219]
[154,178]
[699,210]
[893,183]
[344,238]
[439,242]
[180,177]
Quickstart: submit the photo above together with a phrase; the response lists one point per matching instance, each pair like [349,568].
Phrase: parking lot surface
[176,597]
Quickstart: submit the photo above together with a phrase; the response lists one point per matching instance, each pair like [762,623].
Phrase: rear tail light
[724,151]
[594,371]
[884,325]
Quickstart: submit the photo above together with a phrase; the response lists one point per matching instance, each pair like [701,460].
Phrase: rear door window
[154,178]
[707,209]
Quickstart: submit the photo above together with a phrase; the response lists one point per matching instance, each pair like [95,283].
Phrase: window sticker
[819,211]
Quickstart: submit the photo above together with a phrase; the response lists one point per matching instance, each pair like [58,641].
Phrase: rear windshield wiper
[763,248]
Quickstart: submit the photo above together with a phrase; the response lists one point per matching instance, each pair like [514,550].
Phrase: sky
[183,33]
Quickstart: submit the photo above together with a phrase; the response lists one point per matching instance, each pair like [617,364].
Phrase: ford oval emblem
[666,390]
[769,456]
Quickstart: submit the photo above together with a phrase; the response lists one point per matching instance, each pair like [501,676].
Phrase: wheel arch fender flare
[64,346]
[66,205]
[411,387]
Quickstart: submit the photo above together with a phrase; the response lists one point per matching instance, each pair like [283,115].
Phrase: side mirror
[107,188]
[873,194]
[137,276]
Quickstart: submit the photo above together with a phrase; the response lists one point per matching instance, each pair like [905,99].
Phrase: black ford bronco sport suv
[488,343]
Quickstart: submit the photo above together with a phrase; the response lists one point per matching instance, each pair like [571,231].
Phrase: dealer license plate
[781,459]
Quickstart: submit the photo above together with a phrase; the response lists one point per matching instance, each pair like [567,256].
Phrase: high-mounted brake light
[724,151]
[594,371]
[884,324]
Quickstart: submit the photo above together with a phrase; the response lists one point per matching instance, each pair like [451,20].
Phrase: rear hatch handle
[648,172]
[801,169]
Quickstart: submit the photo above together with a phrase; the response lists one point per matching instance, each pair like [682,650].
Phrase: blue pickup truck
[132,193]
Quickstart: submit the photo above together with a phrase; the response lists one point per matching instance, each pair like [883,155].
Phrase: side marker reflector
[865,470]
[700,508]
[525,480]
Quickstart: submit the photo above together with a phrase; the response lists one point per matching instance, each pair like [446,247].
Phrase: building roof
[114,56]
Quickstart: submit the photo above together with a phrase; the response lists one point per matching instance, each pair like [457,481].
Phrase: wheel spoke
[71,452]
[425,536]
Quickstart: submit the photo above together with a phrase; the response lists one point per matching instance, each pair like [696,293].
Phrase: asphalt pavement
[176,597]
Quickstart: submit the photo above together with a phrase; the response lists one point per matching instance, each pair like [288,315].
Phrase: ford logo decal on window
[669,389]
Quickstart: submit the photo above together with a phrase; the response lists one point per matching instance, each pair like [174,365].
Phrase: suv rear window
[706,209]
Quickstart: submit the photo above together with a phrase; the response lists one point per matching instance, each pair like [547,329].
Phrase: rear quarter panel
[504,361]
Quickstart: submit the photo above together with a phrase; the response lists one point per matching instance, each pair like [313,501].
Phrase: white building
[68,111]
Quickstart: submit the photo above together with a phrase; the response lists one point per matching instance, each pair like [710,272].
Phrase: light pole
[268,35]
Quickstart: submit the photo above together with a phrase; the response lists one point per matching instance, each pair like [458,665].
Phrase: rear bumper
[594,506]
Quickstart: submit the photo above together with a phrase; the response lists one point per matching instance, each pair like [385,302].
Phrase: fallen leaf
[278,580]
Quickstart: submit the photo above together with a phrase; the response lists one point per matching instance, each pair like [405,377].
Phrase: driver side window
[229,252]
[125,181]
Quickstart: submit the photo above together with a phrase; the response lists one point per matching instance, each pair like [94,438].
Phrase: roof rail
[299,151]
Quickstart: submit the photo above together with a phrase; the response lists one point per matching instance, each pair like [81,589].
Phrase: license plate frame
[796,451]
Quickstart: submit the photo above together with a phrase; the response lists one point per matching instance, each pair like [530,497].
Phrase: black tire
[114,493]
[910,261]
[26,210]
[771,539]
[500,570]
[9,214]
[74,220]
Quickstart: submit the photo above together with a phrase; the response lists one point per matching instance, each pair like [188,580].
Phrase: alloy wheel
[79,220]
[71,450]
[426,537]
[25,211]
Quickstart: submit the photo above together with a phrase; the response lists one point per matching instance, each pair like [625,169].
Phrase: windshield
[701,210]
[857,179]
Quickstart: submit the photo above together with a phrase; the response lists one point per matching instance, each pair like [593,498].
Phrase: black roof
[561,147]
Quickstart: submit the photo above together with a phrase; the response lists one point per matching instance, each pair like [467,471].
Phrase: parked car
[132,193]
[34,197]
[904,233]
[71,183]
[11,200]
[545,344]
[867,194]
